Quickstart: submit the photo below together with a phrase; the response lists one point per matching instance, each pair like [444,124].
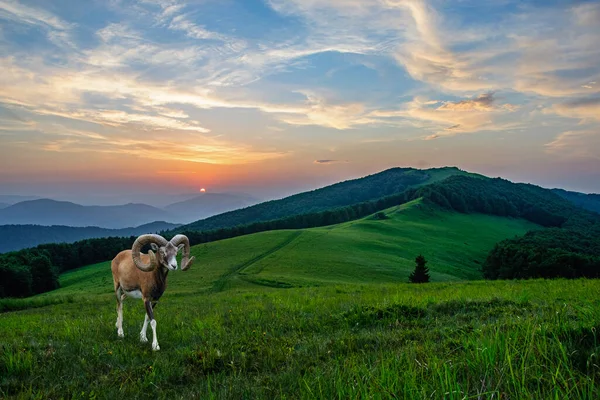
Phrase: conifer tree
[421,272]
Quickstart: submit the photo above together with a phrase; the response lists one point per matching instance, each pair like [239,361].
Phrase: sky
[101,100]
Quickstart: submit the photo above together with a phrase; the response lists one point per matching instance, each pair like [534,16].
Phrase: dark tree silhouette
[421,272]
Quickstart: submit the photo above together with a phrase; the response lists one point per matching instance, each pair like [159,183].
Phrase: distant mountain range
[9,199]
[16,237]
[52,212]
[32,222]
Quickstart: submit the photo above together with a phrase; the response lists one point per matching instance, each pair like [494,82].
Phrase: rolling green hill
[369,250]
[368,188]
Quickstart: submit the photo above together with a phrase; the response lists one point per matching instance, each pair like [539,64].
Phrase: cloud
[483,102]
[452,118]
[158,147]
[578,145]
[330,161]
[586,109]
[167,151]
[427,57]
[587,14]
[524,53]
[320,112]
[21,13]
[181,23]
[62,94]
[131,140]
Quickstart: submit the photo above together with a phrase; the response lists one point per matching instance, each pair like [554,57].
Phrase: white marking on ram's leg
[119,323]
[143,337]
[155,345]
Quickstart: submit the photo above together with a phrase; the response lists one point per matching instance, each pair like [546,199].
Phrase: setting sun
[203,190]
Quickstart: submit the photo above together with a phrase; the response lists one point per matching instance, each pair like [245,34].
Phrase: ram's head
[163,252]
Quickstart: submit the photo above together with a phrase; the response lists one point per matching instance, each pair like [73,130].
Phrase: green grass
[318,313]
[527,339]
[363,251]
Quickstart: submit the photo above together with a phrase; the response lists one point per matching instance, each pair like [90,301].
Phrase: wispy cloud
[197,150]
[582,144]
[326,162]
[586,109]
[451,118]
[321,113]
[21,13]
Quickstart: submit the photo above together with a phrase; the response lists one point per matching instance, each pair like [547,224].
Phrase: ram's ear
[181,246]
[154,246]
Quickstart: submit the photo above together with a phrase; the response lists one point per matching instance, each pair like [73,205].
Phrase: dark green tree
[44,275]
[421,272]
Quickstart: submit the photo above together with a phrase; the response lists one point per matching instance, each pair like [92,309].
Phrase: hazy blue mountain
[15,198]
[208,204]
[51,212]
[16,237]
[588,201]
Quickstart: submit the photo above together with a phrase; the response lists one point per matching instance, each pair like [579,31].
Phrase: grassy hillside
[372,187]
[369,250]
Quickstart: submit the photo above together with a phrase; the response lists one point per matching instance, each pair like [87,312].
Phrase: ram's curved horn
[186,261]
[137,246]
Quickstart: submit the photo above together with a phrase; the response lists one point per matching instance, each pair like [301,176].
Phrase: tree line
[32,271]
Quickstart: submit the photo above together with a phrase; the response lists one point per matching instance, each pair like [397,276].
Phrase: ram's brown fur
[127,277]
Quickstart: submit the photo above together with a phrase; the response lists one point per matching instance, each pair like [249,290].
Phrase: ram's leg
[150,315]
[143,337]
[119,323]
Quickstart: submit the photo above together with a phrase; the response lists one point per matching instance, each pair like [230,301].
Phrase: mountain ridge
[50,212]
[589,201]
[17,237]
[353,191]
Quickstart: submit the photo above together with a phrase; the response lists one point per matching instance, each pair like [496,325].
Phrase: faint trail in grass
[219,284]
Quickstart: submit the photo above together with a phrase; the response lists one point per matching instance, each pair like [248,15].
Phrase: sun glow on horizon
[202,190]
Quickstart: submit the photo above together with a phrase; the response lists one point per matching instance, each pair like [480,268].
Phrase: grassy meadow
[320,313]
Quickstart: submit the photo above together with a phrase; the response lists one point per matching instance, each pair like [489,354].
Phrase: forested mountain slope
[588,201]
[372,187]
